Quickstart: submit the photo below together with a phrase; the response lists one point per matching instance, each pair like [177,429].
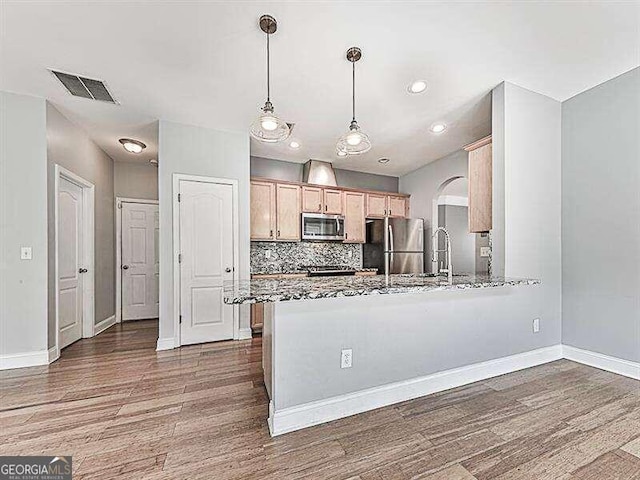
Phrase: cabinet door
[354,224]
[480,184]
[376,205]
[312,199]
[257,316]
[333,201]
[397,207]
[287,212]
[263,210]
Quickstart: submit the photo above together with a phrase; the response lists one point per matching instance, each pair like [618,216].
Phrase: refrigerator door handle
[391,249]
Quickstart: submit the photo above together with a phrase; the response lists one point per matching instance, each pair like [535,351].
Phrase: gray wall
[292,172]
[529,139]
[463,244]
[136,180]
[198,151]
[70,147]
[23,222]
[601,218]
[424,183]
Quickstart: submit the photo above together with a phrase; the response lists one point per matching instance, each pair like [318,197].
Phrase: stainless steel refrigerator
[394,245]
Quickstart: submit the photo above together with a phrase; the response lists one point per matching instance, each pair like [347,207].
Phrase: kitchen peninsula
[334,347]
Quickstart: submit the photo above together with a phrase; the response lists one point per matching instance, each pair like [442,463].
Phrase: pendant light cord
[353,96]
[268,79]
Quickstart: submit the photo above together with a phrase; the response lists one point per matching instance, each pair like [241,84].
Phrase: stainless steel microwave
[319,226]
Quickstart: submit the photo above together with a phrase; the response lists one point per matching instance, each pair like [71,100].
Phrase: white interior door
[206,242]
[140,265]
[70,268]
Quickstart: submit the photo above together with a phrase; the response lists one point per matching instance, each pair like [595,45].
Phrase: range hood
[319,173]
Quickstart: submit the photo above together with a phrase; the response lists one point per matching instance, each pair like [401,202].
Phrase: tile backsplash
[289,256]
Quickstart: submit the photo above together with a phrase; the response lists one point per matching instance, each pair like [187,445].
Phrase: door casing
[177,178]
[88,284]
[118,207]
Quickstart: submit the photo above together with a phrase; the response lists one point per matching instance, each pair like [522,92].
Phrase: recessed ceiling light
[438,127]
[294,144]
[341,153]
[383,160]
[132,146]
[418,86]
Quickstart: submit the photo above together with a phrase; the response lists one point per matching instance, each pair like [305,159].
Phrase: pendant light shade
[268,127]
[354,141]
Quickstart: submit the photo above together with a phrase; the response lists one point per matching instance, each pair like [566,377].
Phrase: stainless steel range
[327,270]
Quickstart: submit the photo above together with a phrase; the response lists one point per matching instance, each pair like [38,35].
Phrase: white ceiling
[203,63]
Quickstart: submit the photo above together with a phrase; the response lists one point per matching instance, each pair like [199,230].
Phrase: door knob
[125,267]
[228,270]
[83,270]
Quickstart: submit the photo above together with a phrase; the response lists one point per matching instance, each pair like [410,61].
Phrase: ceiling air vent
[84,87]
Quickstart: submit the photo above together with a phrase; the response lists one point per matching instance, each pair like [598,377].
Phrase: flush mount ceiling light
[132,146]
[355,141]
[418,86]
[438,127]
[268,127]
[383,160]
[294,144]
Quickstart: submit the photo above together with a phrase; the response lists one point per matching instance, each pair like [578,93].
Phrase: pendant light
[355,141]
[268,127]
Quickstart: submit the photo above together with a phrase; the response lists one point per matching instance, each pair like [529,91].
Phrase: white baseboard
[22,360]
[165,344]
[104,324]
[244,334]
[313,413]
[53,354]
[604,362]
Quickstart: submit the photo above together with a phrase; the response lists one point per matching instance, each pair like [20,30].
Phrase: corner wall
[70,147]
[198,151]
[526,135]
[601,218]
[423,185]
[23,222]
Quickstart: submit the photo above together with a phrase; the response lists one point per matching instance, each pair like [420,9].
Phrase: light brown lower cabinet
[257,316]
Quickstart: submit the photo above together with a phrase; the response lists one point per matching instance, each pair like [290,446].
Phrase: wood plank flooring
[124,411]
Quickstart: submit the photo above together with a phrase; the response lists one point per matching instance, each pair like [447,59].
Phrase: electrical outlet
[267,254]
[350,253]
[346,358]
[536,325]
[25,253]
[485,251]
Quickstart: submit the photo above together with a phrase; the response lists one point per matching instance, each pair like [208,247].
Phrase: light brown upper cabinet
[354,218]
[263,210]
[312,199]
[480,185]
[376,205]
[332,201]
[397,206]
[287,212]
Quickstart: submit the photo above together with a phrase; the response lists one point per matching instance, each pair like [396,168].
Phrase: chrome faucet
[434,252]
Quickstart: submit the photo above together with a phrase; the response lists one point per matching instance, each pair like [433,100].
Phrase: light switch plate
[25,253]
[485,251]
[267,254]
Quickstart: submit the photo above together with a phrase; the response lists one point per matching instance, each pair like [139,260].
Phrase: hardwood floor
[123,410]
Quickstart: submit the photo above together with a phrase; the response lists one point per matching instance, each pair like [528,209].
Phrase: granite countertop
[281,290]
[298,271]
